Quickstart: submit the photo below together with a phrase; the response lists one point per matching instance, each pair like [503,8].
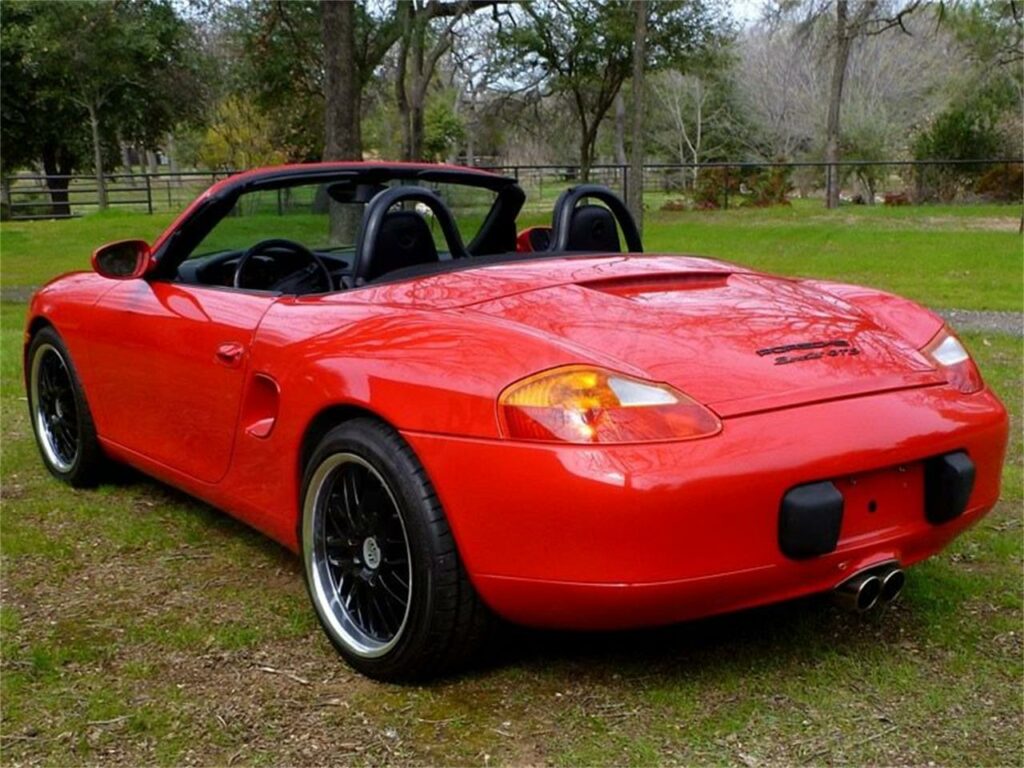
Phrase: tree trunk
[835,99]
[416,133]
[401,97]
[126,160]
[5,196]
[342,90]
[471,130]
[635,199]
[585,156]
[172,158]
[97,156]
[620,129]
[419,91]
[56,186]
[342,130]
[698,131]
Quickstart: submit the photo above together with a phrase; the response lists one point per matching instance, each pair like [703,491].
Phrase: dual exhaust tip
[868,589]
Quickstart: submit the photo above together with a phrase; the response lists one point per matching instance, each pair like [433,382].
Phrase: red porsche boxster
[453,421]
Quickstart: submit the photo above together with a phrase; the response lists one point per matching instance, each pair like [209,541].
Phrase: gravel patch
[19,294]
[975,320]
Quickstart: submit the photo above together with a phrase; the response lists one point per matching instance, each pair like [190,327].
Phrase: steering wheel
[373,217]
[266,247]
[565,205]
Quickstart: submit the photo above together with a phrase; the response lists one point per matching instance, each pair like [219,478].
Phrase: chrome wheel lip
[326,600]
[44,431]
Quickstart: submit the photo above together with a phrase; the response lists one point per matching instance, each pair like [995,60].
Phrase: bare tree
[686,104]
[476,70]
[891,83]
[895,82]
[778,81]
[867,18]
[420,48]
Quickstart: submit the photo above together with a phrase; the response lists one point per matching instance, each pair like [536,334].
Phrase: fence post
[625,181]
[725,186]
[149,194]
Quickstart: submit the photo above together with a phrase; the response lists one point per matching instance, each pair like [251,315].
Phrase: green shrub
[713,186]
[768,186]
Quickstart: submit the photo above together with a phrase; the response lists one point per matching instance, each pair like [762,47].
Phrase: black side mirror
[123,260]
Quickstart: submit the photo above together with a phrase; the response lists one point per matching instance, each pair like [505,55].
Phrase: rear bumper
[635,535]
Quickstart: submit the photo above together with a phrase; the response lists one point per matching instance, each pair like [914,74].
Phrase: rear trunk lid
[738,342]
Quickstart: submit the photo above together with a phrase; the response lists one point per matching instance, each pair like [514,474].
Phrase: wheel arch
[34,326]
[326,419]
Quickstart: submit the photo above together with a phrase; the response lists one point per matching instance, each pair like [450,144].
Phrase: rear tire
[60,416]
[381,566]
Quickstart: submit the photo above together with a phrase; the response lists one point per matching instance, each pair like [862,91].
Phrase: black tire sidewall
[82,471]
[391,457]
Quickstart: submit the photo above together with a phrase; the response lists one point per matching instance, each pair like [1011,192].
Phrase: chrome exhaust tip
[892,580]
[859,593]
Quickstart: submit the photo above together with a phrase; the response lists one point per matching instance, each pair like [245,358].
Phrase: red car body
[222,392]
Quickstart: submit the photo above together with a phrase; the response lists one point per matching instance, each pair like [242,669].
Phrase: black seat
[593,229]
[403,240]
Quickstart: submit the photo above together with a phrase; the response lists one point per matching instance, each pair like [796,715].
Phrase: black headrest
[593,229]
[403,240]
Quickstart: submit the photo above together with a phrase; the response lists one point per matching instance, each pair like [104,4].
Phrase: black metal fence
[705,186]
[700,186]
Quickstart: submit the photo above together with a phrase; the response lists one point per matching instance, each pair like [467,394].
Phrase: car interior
[310,236]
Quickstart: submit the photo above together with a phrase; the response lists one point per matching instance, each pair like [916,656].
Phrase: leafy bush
[967,130]
[757,187]
[768,186]
[442,131]
[712,187]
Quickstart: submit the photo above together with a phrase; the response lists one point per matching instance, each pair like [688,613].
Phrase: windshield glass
[326,217]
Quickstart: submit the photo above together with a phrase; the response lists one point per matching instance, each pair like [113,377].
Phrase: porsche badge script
[812,350]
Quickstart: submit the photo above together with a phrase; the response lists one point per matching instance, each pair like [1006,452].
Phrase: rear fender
[419,372]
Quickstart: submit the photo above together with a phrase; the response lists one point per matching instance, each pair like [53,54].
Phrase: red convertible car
[452,420]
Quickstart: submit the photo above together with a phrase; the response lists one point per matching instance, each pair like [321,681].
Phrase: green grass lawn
[966,257]
[140,626]
[939,256]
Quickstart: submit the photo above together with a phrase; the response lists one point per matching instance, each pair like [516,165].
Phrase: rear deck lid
[737,342]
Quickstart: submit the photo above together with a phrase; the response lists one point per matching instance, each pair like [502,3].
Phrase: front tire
[60,416]
[381,566]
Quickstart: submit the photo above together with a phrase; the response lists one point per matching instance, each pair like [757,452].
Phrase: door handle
[230,353]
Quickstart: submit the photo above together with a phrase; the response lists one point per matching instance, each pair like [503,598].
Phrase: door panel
[168,370]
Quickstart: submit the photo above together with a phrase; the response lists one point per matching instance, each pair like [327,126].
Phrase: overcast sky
[745,11]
